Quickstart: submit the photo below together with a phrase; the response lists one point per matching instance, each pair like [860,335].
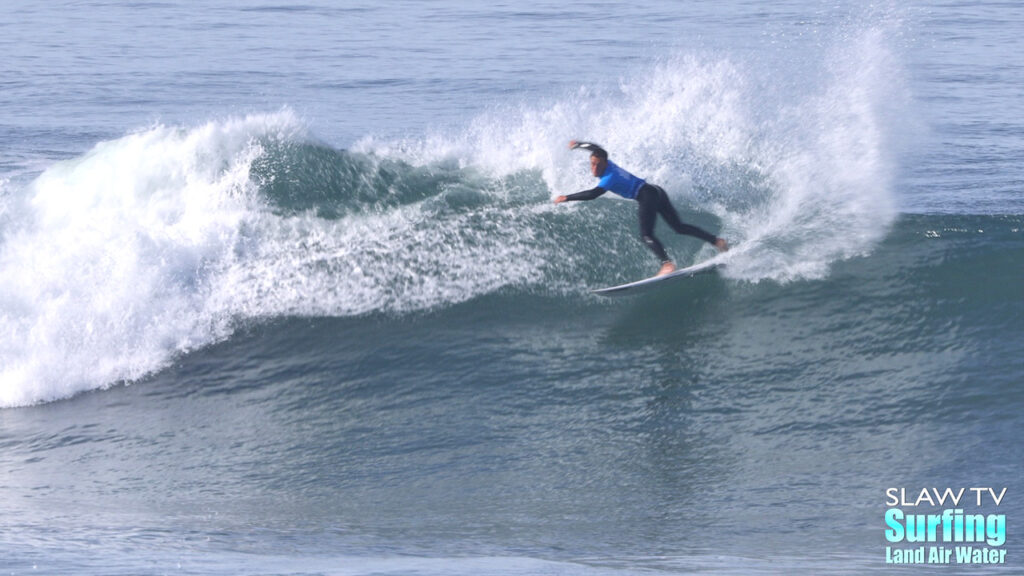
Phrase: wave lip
[111,255]
[163,241]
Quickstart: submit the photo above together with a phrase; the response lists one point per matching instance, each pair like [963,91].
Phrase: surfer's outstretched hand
[560,199]
[721,244]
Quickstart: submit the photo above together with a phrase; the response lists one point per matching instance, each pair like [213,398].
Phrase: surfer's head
[598,156]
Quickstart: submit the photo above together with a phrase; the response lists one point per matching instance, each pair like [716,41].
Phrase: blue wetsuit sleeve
[586,194]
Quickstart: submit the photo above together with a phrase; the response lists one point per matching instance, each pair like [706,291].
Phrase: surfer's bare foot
[667,268]
[721,244]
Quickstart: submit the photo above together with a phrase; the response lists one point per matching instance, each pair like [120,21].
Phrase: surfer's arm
[573,144]
[585,195]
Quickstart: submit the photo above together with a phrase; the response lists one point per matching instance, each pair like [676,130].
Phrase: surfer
[652,200]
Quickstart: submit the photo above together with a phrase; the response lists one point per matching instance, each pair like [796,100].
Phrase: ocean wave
[165,240]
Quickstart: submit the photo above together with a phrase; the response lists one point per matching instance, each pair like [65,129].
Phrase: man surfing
[652,200]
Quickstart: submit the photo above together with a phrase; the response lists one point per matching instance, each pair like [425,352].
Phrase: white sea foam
[105,266]
[161,242]
[830,160]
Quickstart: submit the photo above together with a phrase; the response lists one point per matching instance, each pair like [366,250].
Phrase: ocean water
[283,291]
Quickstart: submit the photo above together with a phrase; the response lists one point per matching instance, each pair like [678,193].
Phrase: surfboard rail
[647,283]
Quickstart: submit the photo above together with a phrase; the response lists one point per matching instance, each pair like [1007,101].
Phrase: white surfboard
[648,283]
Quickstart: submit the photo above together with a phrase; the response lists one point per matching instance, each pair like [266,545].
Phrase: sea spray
[830,163]
[166,240]
[797,165]
[107,265]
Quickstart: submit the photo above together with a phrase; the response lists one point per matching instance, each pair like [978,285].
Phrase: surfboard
[649,283]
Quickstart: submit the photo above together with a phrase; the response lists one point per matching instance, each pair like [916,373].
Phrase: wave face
[163,241]
[168,239]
